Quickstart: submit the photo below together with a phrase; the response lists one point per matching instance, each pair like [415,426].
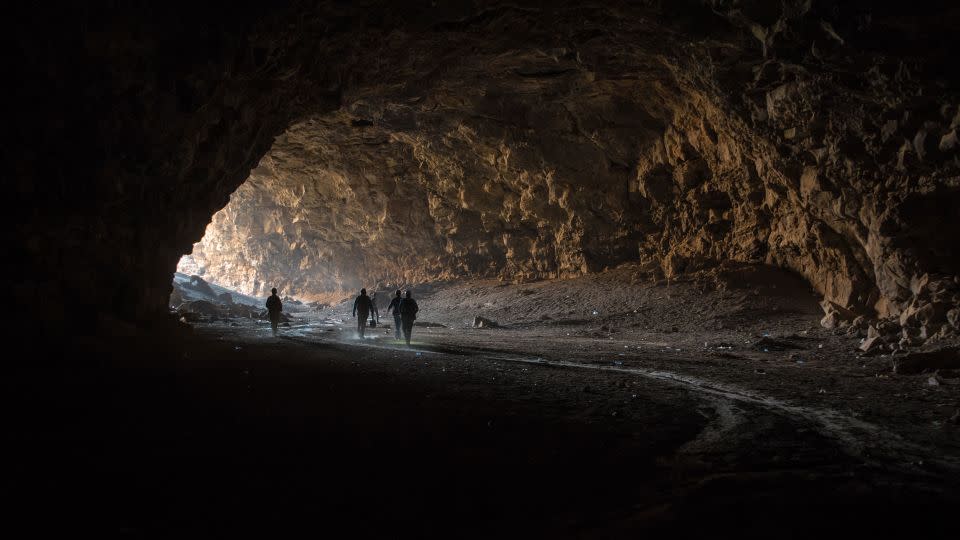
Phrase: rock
[871,345]
[829,321]
[200,307]
[483,322]
[917,362]
[854,331]
[934,380]
[888,327]
[953,317]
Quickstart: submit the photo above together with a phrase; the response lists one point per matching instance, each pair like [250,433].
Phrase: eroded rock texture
[519,140]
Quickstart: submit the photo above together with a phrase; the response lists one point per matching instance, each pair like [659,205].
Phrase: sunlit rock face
[403,142]
[469,152]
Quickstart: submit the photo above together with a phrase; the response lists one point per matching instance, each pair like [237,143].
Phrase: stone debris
[483,322]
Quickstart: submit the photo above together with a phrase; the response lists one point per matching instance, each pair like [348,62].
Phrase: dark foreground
[225,435]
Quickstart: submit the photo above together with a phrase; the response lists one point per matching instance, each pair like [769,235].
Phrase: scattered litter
[822,391]
[419,354]
[820,346]
[617,363]
[237,348]
[934,380]
[595,312]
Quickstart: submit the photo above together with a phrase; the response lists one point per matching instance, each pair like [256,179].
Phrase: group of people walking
[404,309]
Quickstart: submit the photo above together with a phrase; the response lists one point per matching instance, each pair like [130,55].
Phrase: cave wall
[411,141]
[772,140]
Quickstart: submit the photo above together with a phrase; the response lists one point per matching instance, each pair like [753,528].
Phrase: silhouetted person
[395,306]
[274,307]
[374,314]
[408,314]
[361,310]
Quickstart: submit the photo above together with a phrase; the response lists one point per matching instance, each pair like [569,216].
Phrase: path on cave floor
[732,409]
[868,441]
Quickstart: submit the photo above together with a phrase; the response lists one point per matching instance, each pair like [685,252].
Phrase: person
[361,310]
[395,306]
[408,314]
[374,314]
[274,307]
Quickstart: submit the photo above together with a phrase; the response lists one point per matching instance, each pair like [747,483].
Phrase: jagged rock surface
[420,142]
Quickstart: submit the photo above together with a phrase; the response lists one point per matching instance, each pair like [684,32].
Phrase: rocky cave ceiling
[406,142]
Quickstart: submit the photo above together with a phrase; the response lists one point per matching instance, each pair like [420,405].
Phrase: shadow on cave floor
[630,421]
[227,434]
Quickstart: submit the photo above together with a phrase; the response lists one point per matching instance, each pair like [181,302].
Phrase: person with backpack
[408,314]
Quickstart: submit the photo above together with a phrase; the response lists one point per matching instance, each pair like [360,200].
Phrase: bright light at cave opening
[187,265]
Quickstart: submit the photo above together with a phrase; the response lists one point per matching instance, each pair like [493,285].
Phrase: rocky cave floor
[750,331]
[600,406]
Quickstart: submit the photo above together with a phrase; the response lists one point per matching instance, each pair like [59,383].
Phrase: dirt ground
[751,330]
[599,407]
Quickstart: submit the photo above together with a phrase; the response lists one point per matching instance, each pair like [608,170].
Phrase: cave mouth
[542,159]
[495,140]
[705,248]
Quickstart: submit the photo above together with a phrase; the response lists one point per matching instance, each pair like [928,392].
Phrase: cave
[682,267]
